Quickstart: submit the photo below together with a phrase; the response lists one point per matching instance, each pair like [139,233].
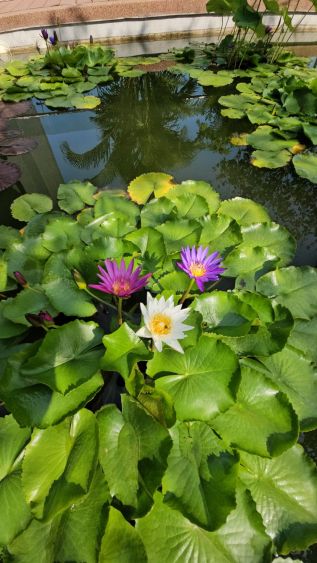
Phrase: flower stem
[187,291]
[107,304]
[120,321]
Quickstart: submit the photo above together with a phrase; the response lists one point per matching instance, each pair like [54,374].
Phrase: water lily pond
[158,309]
[164,122]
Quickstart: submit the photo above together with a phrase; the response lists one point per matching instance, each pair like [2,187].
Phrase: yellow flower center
[197,269]
[160,324]
[120,287]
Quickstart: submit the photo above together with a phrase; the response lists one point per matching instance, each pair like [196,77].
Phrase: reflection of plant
[140,122]
[172,472]
[11,143]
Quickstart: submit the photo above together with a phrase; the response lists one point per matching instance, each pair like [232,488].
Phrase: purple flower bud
[20,279]
[44,34]
[43,318]
[53,39]
[46,317]
[268,30]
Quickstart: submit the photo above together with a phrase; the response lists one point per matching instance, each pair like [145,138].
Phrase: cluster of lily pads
[149,413]
[62,76]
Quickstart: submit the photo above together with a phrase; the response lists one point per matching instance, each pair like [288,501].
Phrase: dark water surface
[164,123]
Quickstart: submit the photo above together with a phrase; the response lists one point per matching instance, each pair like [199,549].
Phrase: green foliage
[179,456]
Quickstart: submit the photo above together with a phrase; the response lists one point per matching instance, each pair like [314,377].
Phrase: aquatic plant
[114,446]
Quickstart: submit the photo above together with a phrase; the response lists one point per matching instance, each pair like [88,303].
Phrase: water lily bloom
[44,34]
[199,266]
[163,322]
[120,280]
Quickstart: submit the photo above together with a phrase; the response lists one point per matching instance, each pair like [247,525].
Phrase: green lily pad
[306,166]
[85,102]
[263,138]
[209,78]
[232,113]
[269,159]
[142,187]
[17,68]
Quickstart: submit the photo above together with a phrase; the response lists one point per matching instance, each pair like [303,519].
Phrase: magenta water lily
[200,266]
[121,280]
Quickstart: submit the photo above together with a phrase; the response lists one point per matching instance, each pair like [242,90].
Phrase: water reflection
[162,122]
[142,127]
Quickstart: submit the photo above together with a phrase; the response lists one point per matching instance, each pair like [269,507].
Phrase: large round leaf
[285,493]
[244,211]
[73,196]
[261,406]
[270,159]
[66,357]
[27,206]
[142,187]
[295,288]
[306,166]
[58,464]
[297,378]
[169,536]
[198,380]
[224,313]
[200,479]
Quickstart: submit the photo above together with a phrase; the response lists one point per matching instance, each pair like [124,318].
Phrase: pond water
[159,122]
[166,123]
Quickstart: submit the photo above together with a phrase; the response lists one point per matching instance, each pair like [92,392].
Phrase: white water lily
[163,322]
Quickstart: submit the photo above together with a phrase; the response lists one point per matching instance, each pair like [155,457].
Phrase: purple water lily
[120,280]
[199,266]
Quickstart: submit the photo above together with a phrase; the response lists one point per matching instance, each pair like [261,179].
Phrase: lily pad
[145,185]
[232,113]
[306,166]
[209,78]
[269,159]
[85,102]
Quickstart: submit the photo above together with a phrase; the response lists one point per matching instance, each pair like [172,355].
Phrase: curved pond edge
[125,21]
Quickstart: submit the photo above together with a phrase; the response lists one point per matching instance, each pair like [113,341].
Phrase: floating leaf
[287,507]
[260,405]
[73,196]
[200,479]
[142,187]
[306,166]
[66,357]
[269,159]
[209,78]
[85,102]
[198,380]
[244,211]
[17,68]
[27,206]
[294,288]
[232,113]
